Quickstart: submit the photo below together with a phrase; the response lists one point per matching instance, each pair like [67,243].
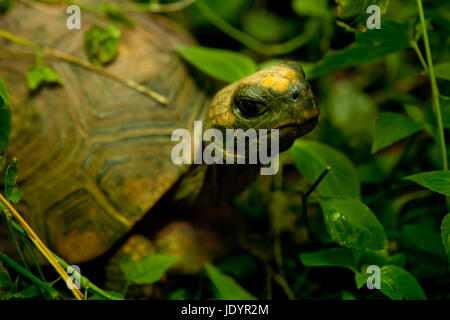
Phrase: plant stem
[33,258]
[85,282]
[4,258]
[434,90]
[305,197]
[52,53]
[304,218]
[40,246]
[135,7]
[125,289]
[13,236]
[269,284]
[255,45]
[132,84]
[283,284]
[415,46]
[318,181]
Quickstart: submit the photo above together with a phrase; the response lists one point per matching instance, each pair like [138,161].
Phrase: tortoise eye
[251,108]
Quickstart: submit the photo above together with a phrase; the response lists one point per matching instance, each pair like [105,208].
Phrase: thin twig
[304,217]
[33,258]
[52,53]
[265,261]
[85,282]
[305,197]
[282,282]
[40,246]
[38,282]
[434,91]
[415,46]
[132,7]
[262,48]
[7,216]
[269,284]
[318,181]
[36,264]
[125,289]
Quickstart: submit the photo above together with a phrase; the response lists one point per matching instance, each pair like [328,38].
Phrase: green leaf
[227,287]
[27,293]
[438,181]
[6,5]
[361,279]
[380,258]
[399,284]
[12,191]
[348,296]
[335,257]
[230,10]
[445,234]
[358,8]
[274,29]
[100,44]
[414,112]
[179,294]
[238,266]
[271,63]
[5,279]
[442,70]
[40,75]
[368,46]
[117,16]
[5,117]
[97,296]
[424,238]
[222,64]
[311,158]
[315,8]
[148,270]
[4,95]
[352,224]
[392,127]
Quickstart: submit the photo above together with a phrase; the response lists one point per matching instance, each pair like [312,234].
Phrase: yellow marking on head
[276,83]
[290,74]
[226,119]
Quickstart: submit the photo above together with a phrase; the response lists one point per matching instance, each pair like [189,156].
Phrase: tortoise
[95,155]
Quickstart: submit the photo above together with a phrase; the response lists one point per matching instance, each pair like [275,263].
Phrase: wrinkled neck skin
[219,182]
[215,184]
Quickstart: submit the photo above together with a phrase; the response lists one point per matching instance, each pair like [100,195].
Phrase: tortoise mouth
[299,127]
[291,131]
[288,133]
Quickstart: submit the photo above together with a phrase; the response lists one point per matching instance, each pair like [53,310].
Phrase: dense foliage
[367,187]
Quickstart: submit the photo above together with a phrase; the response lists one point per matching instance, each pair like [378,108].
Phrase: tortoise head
[276,97]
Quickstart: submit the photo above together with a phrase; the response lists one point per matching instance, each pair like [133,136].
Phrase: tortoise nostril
[295,96]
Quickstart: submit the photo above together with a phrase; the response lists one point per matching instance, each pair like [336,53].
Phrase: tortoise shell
[94,154]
